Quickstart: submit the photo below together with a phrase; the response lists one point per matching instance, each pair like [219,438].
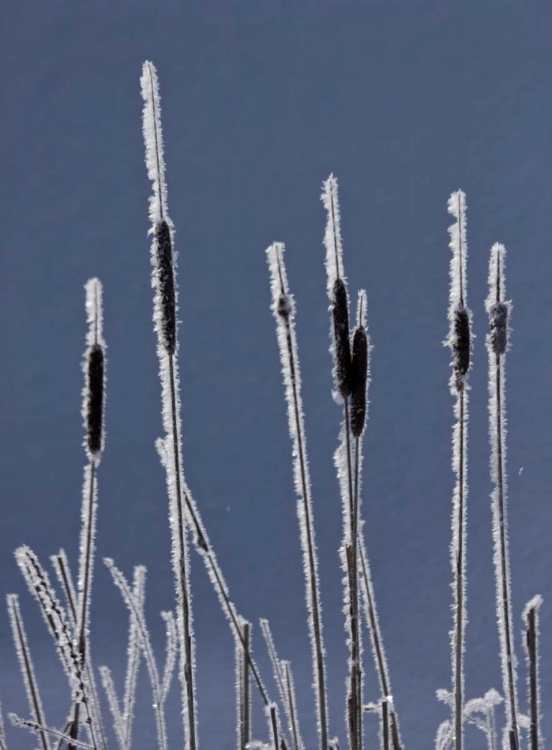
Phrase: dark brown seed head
[94,411]
[359,374]
[498,327]
[165,275]
[284,306]
[341,334]
[461,344]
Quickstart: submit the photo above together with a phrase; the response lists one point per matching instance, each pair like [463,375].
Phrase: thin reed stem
[283,310]
[531,617]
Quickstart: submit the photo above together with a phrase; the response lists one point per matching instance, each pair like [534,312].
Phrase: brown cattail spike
[94,413]
[461,345]
[359,373]
[166,285]
[340,312]
[498,327]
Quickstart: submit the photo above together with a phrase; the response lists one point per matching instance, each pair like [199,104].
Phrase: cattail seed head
[165,277]
[94,415]
[340,311]
[359,375]
[498,327]
[461,346]
[94,373]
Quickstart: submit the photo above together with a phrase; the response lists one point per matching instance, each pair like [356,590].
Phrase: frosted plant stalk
[343,374]
[165,310]
[498,310]
[459,341]
[93,412]
[242,687]
[283,309]
[26,666]
[531,617]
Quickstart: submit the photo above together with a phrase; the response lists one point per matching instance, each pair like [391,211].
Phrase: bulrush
[340,313]
[94,369]
[359,369]
[459,341]
[497,343]
[165,276]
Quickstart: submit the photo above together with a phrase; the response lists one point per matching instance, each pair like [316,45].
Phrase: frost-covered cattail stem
[291,706]
[283,310]
[165,311]
[93,411]
[26,666]
[343,381]
[498,310]
[460,343]
[242,687]
[531,617]
[497,344]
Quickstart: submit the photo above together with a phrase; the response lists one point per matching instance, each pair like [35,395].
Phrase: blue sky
[405,102]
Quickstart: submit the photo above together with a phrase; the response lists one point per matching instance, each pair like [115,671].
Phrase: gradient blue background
[405,102]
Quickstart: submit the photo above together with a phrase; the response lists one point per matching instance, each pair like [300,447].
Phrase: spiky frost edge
[37,728]
[498,463]
[133,651]
[292,382]
[457,273]
[243,693]
[113,703]
[458,300]
[26,664]
[153,138]
[145,642]
[534,604]
[94,318]
[334,260]
[291,704]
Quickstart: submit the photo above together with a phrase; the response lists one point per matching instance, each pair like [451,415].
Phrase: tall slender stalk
[497,345]
[460,343]
[531,617]
[165,309]
[284,312]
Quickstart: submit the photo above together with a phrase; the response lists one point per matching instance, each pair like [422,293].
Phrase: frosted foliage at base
[153,138]
[283,309]
[25,663]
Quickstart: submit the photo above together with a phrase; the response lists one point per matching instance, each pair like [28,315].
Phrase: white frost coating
[291,705]
[112,702]
[499,496]
[26,665]
[153,138]
[534,605]
[444,736]
[86,555]
[38,728]
[481,713]
[458,302]
[133,652]
[243,694]
[283,309]
[334,261]
[3,745]
[332,235]
[170,653]
[145,643]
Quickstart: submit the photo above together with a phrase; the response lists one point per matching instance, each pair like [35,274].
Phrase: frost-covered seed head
[165,277]
[359,373]
[340,311]
[94,412]
[498,327]
[461,345]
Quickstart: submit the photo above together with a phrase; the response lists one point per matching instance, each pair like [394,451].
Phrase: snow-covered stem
[343,375]
[143,634]
[498,309]
[133,651]
[111,695]
[165,310]
[531,617]
[65,578]
[459,341]
[39,728]
[283,308]
[486,707]
[56,621]
[3,743]
[284,680]
[242,687]
[26,665]
[385,724]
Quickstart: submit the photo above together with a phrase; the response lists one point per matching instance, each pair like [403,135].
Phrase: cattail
[94,369]
[498,332]
[165,277]
[340,312]
[359,370]
[459,341]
